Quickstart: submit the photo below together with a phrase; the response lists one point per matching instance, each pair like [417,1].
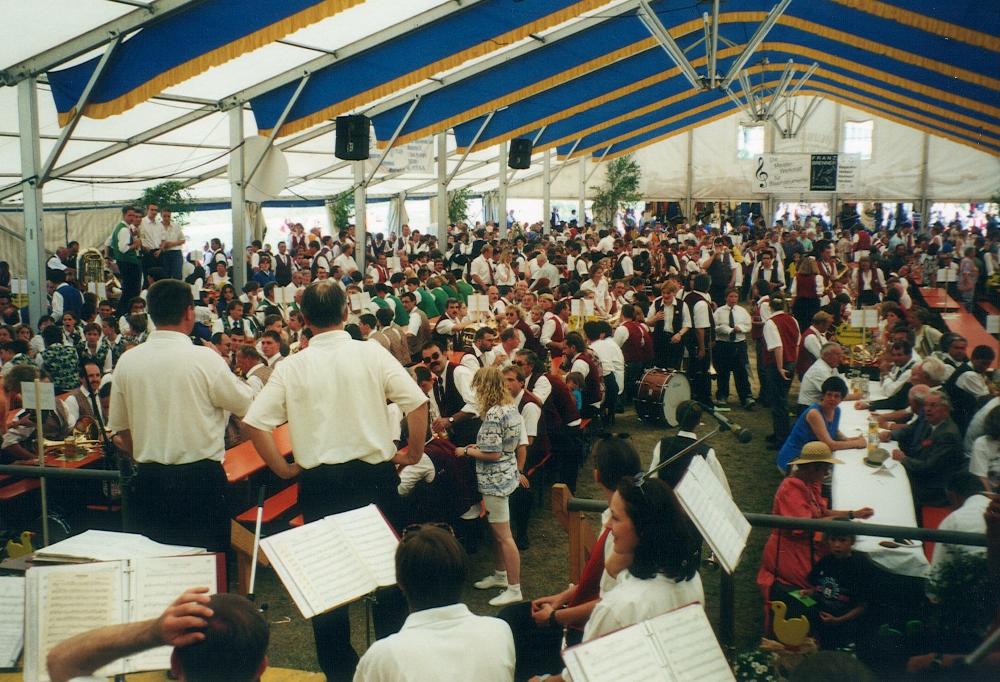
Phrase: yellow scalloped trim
[220,55]
[453,61]
[924,23]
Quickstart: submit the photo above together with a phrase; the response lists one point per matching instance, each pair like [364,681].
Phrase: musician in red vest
[781,342]
[553,334]
[580,359]
[538,626]
[636,342]
[700,339]
[812,342]
[530,408]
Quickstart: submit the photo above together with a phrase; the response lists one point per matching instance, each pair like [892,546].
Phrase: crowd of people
[448,376]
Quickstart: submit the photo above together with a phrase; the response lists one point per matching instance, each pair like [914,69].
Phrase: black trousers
[332,489]
[633,375]
[698,375]
[731,359]
[536,648]
[610,399]
[131,277]
[669,355]
[777,392]
[567,444]
[179,504]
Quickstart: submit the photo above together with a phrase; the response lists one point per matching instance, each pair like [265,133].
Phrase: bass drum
[660,392]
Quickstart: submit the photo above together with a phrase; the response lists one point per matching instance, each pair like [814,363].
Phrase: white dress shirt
[447,642]
[969,518]
[612,360]
[151,233]
[740,316]
[339,388]
[810,390]
[481,267]
[175,399]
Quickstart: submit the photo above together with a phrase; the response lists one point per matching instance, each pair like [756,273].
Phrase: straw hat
[814,452]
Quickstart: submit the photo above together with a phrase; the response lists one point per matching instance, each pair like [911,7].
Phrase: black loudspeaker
[352,138]
[520,153]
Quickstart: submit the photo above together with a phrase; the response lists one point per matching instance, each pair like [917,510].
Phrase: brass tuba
[91,266]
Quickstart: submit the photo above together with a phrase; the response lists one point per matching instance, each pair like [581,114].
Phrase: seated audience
[820,422]
[933,451]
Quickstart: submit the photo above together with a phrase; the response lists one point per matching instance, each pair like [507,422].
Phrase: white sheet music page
[373,539]
[12,620]
[717,517]
[105,545]
[156,583]
[318,567]
[688,645]
[64,601]
[627,654]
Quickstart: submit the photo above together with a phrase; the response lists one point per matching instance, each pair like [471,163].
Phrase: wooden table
[939,299]
[242,461]
[966,324]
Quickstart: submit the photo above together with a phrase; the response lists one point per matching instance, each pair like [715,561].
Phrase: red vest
[638,347]
[593,385]
[805,359]
[589,587]
[864,242]
[805,286]
[788,329]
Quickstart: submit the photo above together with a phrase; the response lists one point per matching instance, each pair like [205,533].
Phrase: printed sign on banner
[800,173]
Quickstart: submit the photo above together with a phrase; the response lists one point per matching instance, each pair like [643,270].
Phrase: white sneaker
[511,595]
[491,581]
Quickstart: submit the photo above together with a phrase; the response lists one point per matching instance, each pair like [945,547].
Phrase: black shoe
[748,404]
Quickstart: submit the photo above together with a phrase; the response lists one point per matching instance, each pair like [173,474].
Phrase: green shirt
[465,290]
[402,318]
[427,303]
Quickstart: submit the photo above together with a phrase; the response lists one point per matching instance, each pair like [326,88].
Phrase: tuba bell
[91,268]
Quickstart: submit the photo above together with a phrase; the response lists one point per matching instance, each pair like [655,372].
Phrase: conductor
[333,396]
[169,406]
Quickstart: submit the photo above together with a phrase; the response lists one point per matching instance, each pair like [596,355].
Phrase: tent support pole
[502,186]
[546,190]
[689,208]
[755,42]
[81,103]
[581,209]
[655,27]
[598,164]
[34,241]
[237,193]
[924,159]
[360,215]
[442,186]
[468,150]
[392,140]
[569,155]
[277,126]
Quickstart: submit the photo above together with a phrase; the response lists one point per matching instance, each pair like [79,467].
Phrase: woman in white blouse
[503,272]
[648,524]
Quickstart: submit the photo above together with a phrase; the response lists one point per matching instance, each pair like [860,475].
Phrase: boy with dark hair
[842,584]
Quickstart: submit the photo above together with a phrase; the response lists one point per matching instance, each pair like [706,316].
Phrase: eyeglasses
[432,358]
[415,528]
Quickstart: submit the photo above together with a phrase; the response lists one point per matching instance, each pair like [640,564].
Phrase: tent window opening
[750,142]
[858,138]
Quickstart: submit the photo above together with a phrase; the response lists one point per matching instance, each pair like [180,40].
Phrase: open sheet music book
[335,560]
[679,645]
[63,601]
[106,545]
[11,620]
[714,513]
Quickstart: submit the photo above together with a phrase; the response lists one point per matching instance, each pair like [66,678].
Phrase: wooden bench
[18,488]
[274,506]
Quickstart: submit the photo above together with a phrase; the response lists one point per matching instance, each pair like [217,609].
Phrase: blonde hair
[808,266]
[490,389]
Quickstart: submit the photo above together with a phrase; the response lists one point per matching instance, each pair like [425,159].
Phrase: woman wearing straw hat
[789,554]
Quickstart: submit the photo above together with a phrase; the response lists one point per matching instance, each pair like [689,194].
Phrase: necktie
[732,325]
[439,393]
[97,410]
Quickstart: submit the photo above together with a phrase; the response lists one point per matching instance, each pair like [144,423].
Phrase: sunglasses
[432,358]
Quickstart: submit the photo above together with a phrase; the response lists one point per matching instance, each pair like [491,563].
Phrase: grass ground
[752,476]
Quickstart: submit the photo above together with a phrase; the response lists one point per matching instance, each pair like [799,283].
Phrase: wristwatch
[451,420]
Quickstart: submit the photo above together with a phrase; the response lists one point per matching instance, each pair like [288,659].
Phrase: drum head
[677,390]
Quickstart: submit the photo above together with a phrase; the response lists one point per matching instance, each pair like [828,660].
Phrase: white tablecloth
[886,490]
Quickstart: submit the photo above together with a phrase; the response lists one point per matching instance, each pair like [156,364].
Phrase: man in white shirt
[966,496]
[732,324]
[603,346]
[545,274]
[172,257]
[170,402]
[345,261]
[344,455]
[831,355]
[481,268]
[441,638]
[151,234]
